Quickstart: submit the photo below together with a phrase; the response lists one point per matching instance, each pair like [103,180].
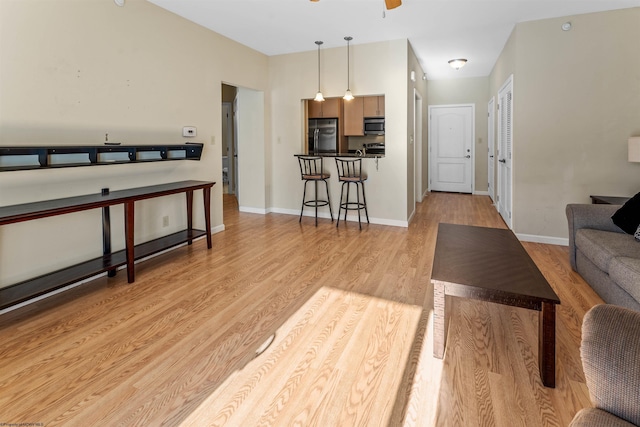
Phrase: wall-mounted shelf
[35,157]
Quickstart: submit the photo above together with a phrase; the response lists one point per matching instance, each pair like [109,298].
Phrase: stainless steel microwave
[374,126]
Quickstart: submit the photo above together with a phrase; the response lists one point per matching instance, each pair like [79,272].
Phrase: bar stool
[350,172]
[312,170]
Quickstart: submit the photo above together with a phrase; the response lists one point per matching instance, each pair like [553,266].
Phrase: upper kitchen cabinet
[373,106]
[330,107]
[353,117]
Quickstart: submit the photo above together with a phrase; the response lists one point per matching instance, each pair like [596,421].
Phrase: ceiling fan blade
[392,4]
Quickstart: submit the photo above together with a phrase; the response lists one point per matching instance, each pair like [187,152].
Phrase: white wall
[576,103]
[252,177]
[475,91]
[376,68]
[70,71]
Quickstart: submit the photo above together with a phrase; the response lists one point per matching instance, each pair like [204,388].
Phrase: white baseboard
[350,217]
[252,210]
[559,241]
[480,193]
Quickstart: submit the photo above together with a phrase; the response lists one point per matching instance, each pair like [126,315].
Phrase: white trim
[218,229]
[350,217]
[508,87]
[480,193]
[473,139]
[491,141]
[252,210]
[549,240]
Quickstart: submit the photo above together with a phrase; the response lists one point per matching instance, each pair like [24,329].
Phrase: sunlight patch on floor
[339,360]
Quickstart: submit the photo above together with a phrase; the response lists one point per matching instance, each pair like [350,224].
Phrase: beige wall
[376,68]
[576,102]
[70,71]
[468,91]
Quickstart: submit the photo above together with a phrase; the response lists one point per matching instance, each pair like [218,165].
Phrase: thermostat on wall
[189,131]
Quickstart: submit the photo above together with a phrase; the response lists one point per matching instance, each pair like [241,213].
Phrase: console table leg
[439,332]
[189,214]
[206,192]
[106,236]
[547,344]
[129,244]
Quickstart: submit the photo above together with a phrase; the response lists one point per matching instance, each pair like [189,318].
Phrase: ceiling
[438,30]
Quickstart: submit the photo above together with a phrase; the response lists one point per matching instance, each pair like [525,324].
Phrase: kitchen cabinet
[374,106]
[357,109]
[330,107]
[353,117]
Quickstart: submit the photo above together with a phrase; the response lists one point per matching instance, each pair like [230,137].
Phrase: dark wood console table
[609,200]
[31,288]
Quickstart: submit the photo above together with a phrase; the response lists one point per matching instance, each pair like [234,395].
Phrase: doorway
[505,144]
[451,148]
[229,145]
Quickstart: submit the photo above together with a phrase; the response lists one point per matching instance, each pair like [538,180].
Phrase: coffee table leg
[439,333]
[547,344]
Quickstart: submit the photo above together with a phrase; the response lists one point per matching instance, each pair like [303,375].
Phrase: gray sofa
[611,365]
[604,255]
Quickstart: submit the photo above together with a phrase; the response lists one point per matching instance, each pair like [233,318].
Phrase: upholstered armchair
[610,353]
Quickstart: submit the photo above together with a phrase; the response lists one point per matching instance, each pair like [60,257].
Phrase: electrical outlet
[165,221]
[189,131]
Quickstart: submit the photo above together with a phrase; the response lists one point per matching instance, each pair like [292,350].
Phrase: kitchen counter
[364,156]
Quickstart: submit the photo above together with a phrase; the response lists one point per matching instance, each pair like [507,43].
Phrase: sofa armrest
[588,216]
[610,353]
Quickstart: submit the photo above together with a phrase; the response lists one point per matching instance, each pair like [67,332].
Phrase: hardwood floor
[352,315]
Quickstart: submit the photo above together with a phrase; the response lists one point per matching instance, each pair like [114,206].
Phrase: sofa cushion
[626,273]
[602,246]
[628,216]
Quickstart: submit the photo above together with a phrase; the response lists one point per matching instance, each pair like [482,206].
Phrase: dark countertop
[364,156]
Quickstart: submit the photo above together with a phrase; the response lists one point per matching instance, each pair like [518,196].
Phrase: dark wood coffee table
[490,264]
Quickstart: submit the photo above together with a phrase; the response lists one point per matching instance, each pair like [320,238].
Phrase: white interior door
[491,160]
[505,145]
[451,148]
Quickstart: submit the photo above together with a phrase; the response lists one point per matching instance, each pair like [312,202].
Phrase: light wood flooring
[352,316]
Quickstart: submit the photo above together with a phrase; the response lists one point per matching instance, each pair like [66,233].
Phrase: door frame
[491,148]
[473,138]
[507,213]
[417,146]
[228,124]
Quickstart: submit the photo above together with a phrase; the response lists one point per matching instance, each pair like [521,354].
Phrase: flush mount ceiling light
[566,26]
[348,96]
[457,63]
[119,2]
[319,96]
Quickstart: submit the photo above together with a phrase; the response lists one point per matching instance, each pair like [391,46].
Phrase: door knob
[502,161]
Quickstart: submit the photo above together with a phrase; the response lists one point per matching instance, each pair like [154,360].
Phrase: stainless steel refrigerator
[323,136]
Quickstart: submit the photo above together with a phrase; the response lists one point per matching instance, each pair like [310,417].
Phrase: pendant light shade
[319,96]
[348,96]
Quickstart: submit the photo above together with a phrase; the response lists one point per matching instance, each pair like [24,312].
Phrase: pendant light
[319,96]
[348,96]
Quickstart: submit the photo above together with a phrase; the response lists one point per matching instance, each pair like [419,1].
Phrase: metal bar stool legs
[350,172]
[311,170]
